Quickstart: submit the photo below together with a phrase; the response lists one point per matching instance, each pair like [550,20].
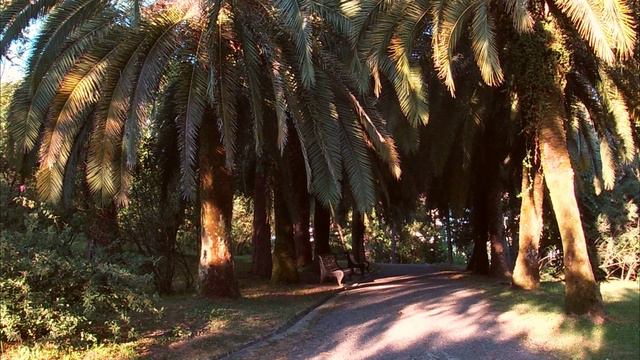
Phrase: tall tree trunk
[261,260]
[447,234]
[166,265]
[216,271]
[479,261]
[525,273]
[357,235]
[301,212]
[321,229]
[495,228]
[301,234]
[582,294]
[284,253]
[103,229]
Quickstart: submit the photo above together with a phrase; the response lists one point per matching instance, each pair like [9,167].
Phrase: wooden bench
[352,264]
[329,268]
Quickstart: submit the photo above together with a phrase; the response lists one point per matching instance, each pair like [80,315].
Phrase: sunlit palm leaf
[483,43]
[587,18]
[520,16]
[619,21]
[449,19]
[62,21]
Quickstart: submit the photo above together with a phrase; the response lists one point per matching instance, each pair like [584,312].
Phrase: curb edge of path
[290,324]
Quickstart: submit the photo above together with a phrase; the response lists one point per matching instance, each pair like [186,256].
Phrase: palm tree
[95,76]
[606,27]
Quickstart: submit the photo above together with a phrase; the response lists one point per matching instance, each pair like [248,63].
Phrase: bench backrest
[329,262]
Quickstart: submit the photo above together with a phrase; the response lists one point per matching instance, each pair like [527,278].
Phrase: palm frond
[163,41]
[78,94]
[367,15]
[617,112]
[226,104]
[619,21]
[189,121]
[449,19]
[483,43]
[356,158]
[293,15]
[25,129]
[61,23]
[408,85]
[335,13]
[587,19]
[383,143]
[17,16]
[252,65]
[520,17]
[277,82]
[111,112]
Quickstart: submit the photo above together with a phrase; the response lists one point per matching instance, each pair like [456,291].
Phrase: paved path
[407,312]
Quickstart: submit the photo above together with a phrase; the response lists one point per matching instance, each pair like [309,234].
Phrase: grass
[546,327]
[191,327]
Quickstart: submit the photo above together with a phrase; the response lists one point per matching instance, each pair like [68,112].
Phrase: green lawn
[546,327]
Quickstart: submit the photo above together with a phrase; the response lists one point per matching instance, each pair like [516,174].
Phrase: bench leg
[339,276]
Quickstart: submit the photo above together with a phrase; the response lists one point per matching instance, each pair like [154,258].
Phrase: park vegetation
[150,143]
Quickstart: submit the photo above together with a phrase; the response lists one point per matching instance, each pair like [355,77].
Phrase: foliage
[158,223]
[619,249]
[51,291]
[242,226]
[421,238]
[6,94]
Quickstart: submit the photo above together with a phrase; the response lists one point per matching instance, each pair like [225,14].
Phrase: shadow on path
[406,312]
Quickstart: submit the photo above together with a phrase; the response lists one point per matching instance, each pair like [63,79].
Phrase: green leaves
[293,15]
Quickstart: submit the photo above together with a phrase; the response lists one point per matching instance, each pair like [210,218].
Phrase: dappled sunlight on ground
[205,328]
[410,312]
[545,331]
[423,316]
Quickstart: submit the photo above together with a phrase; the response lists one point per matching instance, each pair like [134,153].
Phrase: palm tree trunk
[301,235]
[582,294]
[284,253]
[447,234]
[216,271]
[479,261]
[321,229]
[495,231]
[261,260]
[301,213]
[357,235]
[525,274]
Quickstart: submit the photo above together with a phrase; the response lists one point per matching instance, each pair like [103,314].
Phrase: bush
[619,251]
[50,291]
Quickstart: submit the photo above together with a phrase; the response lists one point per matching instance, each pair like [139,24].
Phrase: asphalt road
[405,312]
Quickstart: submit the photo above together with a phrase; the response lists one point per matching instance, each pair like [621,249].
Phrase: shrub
[49,290]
